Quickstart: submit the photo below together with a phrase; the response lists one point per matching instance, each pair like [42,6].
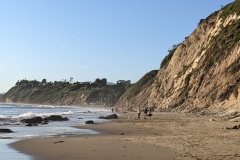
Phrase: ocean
[11,114]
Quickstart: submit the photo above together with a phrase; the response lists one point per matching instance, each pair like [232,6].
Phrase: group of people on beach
[147,112]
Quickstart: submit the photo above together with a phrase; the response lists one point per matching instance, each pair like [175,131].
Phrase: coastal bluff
[66,93]
[201,74]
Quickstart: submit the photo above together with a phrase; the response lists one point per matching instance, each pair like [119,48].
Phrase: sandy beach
[167,136]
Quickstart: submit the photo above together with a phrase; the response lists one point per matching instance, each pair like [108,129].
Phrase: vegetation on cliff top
[66,93]
[144,82]
[223,43]
[167,59]
[231,9]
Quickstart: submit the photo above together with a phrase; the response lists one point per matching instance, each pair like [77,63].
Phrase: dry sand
[167,136]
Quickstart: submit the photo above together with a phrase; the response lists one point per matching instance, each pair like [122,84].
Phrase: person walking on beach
[139,112]
[145,111]
[150,114]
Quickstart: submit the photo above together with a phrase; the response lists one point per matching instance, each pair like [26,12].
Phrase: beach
[167,136]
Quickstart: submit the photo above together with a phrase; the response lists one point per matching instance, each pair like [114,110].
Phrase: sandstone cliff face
[137,94]
[203,73]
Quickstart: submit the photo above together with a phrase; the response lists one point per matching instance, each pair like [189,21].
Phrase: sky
[89,39]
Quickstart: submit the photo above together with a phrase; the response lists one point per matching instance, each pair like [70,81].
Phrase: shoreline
[167,136]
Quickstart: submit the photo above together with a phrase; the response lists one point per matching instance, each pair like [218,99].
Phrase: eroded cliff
[202,73]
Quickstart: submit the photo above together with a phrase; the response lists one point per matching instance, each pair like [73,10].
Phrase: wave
[12,114]
[3,117]
[35,106]
[31,114]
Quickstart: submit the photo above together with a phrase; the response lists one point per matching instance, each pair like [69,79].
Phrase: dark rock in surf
[2,130]
[32,120]
[89,122]
[55,118]
[29,124]
[112,116]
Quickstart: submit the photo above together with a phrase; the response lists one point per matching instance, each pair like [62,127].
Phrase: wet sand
[167,136]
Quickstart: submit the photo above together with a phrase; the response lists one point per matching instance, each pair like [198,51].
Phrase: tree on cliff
[101,81]
[44,81]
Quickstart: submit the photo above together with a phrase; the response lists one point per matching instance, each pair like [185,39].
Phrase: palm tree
[71,79]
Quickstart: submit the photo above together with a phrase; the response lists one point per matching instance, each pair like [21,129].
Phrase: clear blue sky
[89,39]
